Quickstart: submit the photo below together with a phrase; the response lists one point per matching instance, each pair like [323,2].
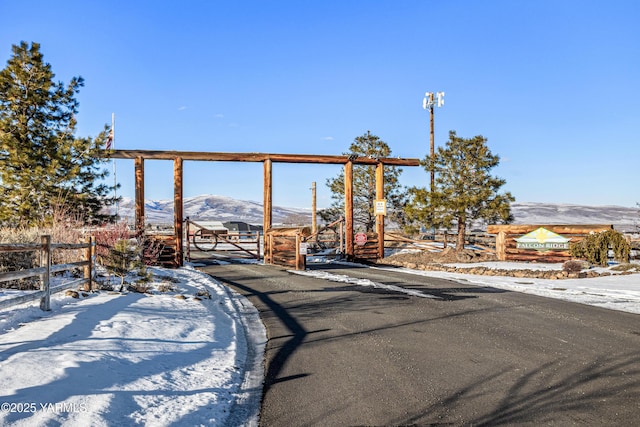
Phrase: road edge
[245,410]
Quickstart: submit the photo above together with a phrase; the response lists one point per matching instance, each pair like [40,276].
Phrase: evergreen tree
[464,189]
[44,167]
[364,185]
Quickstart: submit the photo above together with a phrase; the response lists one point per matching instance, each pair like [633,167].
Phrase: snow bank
[165,358]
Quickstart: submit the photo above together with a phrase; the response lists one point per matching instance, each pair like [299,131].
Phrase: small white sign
[381,207]
[303,248]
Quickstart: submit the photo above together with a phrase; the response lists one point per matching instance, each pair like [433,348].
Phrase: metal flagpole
[113,146]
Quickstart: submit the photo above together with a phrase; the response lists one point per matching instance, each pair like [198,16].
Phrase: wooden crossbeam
[258,157]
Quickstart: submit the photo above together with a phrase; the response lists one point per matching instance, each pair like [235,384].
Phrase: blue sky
[554,85]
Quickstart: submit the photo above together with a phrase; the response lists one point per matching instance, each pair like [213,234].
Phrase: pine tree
[44,167]
[364,185]
[464,189]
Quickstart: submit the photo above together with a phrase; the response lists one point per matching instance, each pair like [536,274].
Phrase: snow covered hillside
[624,219]
[210,207]
[222,208]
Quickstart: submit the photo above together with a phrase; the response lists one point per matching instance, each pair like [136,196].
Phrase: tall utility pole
[428,103]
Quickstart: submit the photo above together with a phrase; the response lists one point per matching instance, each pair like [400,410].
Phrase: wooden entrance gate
[207,240]
[267,159]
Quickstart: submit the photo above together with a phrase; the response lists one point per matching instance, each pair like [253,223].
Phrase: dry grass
[632,266]
[62,231]
[165,287]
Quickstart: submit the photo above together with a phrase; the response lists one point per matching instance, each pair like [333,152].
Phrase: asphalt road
[341,354]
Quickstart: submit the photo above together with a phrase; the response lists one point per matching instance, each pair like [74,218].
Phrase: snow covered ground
[123,359]
[157,359]
[616,292]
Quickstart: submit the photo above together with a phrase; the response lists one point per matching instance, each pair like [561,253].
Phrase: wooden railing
[45,247]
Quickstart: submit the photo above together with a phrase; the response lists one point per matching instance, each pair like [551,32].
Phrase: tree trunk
[462,226]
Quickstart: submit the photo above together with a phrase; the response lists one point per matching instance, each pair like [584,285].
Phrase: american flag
[109,140]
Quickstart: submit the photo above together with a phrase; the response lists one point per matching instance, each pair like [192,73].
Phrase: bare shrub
[167,279]
[62,228]
[15,261]
[166,287]
[151,249]
[107,237]
[203,294]
[65,228]
[142,288]
[573,266]
[626,267]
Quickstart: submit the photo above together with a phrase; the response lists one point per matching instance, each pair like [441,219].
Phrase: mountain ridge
[223,208]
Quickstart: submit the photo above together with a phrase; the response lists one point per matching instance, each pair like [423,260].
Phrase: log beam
[258,157]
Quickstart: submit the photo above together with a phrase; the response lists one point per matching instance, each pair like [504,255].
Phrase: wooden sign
[540,242]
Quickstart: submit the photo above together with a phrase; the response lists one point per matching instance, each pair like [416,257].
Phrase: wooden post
[314,222]
[178,210]
[88,269]
[186,232]
[258,244]
[341,230]
[380,217]
[139,195]
[501,249]
[301,259]
[45,261]
[348,209]
[267,218]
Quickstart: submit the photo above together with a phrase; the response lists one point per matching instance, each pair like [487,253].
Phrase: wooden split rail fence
[45,247]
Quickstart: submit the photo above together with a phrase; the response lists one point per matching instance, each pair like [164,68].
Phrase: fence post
[501,246]
[258,244]
[45,261]
[297,249]
[88,269]
[186,234]
[301,258]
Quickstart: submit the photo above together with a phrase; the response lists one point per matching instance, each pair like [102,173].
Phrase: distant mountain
[221,208]
[209,207]
[624,219]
